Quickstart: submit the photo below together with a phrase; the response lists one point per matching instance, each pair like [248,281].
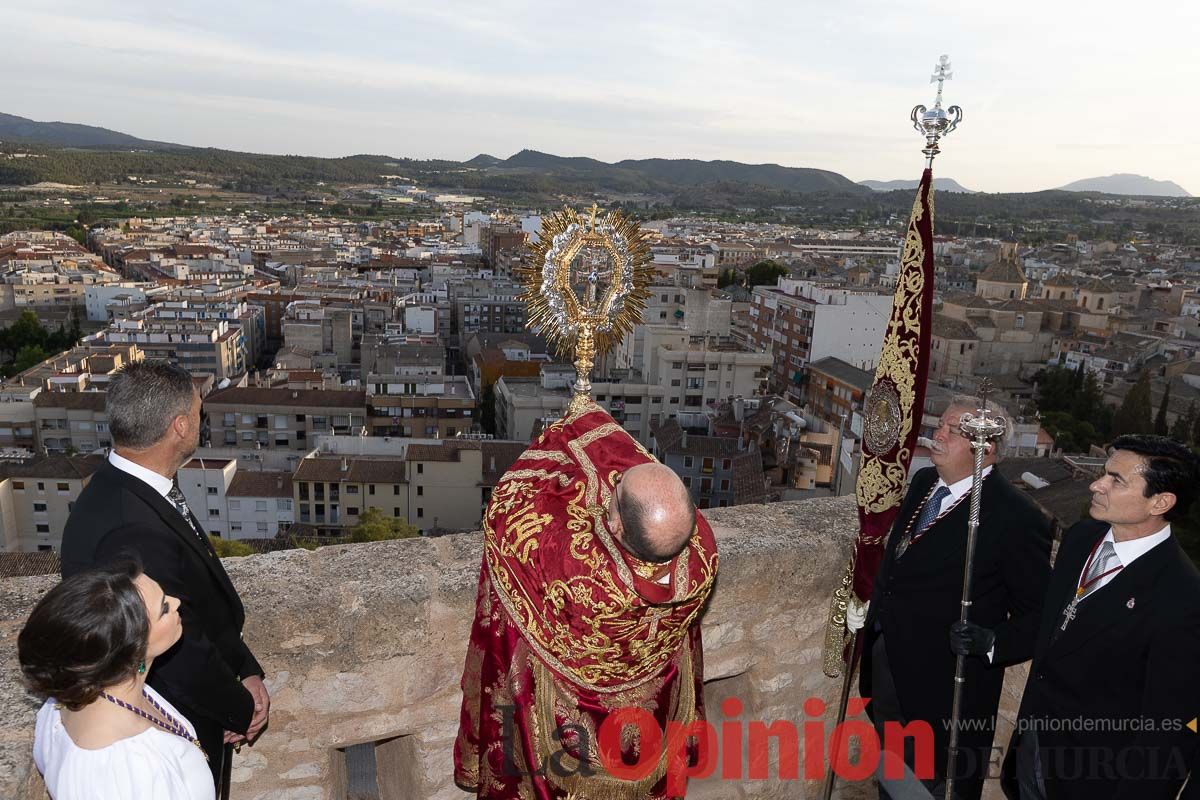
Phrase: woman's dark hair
[1170,467]
[88,633]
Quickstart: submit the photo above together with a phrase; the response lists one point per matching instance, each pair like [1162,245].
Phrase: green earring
[142,668]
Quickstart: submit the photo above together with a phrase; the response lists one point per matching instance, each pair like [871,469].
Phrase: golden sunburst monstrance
[585,287]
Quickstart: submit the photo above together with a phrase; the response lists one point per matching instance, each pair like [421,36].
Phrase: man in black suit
[1114,677]
[907,664]
[132,505]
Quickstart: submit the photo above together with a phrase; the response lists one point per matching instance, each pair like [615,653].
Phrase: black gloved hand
[969,639]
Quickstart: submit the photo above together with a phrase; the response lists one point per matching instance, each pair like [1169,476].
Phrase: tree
[29,356]
[728,277]
[765,273]
[373,526]
[1134,414]
[1181,431]
[1160,420]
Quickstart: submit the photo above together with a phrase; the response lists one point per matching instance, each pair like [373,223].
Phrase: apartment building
[71,422]
[36,498]
[799,322]
[718,471]
[235,501]
[835,389]
[202,346]
[281,418]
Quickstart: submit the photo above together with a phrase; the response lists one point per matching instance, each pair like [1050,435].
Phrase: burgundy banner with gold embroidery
[892,412]
[569,627]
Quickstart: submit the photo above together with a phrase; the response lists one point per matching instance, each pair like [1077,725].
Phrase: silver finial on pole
[981,429]
[936,123]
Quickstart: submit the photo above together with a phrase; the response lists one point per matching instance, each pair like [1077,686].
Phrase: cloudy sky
[1053,90]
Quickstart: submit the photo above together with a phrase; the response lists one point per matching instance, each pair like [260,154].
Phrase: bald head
[652,512]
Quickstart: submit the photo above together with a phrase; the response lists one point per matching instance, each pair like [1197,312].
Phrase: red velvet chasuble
[569,627]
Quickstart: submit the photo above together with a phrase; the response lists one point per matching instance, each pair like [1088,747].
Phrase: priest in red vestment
[596,569]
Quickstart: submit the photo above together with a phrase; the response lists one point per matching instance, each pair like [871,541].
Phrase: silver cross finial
[941,74]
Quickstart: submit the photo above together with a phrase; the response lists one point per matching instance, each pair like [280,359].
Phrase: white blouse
[152,764]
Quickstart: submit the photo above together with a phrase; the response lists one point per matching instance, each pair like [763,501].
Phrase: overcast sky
[1052,91]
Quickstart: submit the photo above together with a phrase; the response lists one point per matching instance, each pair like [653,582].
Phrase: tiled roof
[52,467]
[947,327]
[72,401]
[1004,271]
[505,454]
[306,398]
[844,372]
[249,483]
[358,470]
[20,565]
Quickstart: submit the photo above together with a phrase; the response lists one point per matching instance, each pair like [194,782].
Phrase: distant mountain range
[939,184]
[673,173]
[68,134]
[1124,183]
[76,154]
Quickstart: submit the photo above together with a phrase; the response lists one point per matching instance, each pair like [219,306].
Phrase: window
[260,505]
[212,490]
[262,527]
[283,504]
[39,507]
[420,491]
[319,491]
[395,488]
[677,365]
[235,505]
[247,419]
[395,511]
[281,440]
[351,489]
[214,512]
[420,512]
[687,462]
[687,481]
[675,381]
[726,464]
[229,420]
[713,367]
[231,437]
[43,528]
[725,485]
[63,487]
[352,510]
[19,486]
[235,527]
[674,401]
[420,468]
[707,466]
[41,486]
[371,489]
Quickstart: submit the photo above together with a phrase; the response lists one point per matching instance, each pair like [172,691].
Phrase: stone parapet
[365,643]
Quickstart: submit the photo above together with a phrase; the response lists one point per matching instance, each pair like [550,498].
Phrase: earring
[142,668]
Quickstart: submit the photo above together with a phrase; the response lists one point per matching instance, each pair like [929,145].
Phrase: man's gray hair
[1004,443]
[144,397]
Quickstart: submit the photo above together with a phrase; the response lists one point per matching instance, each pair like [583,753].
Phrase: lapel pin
[1130,603]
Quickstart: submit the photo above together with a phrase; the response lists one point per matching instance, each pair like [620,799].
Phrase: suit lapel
[1108,606]
[169,514]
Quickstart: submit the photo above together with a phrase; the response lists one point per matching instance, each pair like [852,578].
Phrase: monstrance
[585,287]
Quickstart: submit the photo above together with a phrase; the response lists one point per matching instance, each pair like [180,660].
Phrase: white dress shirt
[958,489]
[1128,552]
[159,483]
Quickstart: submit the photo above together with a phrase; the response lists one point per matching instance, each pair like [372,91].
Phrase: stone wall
[365,643]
